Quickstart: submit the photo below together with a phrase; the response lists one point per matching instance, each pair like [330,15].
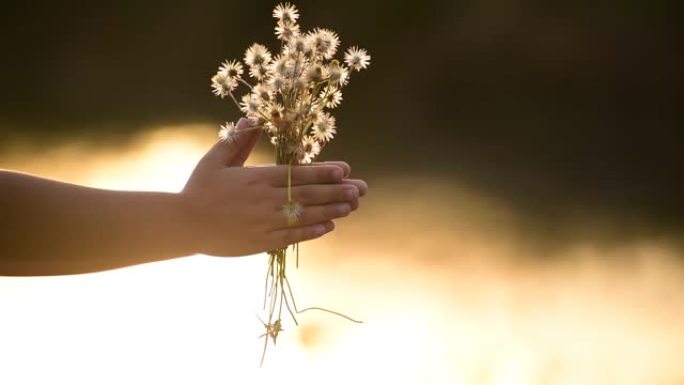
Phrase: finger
[225,151]
[312,214]
[284,237]
[343,165]
[243,153]
[318,194]
[315,174]
[360,184]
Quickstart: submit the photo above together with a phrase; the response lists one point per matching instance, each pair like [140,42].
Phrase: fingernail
[243,123]
[320,230]
[351,193]
[344,209]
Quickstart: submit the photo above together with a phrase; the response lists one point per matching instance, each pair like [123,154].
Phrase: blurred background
[524,222]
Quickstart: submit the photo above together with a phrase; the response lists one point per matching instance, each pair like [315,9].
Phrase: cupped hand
[236,210]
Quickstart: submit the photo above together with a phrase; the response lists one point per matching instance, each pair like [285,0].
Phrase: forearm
[49,227]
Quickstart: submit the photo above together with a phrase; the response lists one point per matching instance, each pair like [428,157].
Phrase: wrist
[188,224]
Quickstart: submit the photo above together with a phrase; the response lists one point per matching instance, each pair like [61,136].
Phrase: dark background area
[551,106]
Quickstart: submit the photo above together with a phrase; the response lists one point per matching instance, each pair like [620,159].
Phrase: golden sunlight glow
[456,294]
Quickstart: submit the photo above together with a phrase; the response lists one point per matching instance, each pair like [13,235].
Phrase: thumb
[234,151]
[244,146]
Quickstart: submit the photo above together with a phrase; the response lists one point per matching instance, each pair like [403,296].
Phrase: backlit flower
[325,42]
[331,97]
[286,31]
[257,55]
[357,58]
[258,72]
[232,68]
[229,132]
[264,92]
[286,12]
[324,127]
[250,105]
[222,84]
[339,75]
[309,149]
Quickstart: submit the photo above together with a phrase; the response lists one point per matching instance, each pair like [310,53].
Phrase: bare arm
[52,228]
[49,227]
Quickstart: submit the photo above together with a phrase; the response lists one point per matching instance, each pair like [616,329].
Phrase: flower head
[357,58]
[331,97]
[257,55]
[286,13]
[258,72]
[229,132]
[287,31]
[222,84]
[324,127]
[309,149]
[299,45]
[325,42]
[263,92]
[339,75]
[250,105]
[232,68]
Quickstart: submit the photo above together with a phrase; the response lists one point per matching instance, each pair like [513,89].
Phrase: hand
[237,210]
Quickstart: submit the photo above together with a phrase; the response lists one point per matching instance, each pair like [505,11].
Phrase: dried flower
[331,97]
[324,128]
[257,55]
[286,13]
[233,69]
[222,84]
[229,132]
[357,58]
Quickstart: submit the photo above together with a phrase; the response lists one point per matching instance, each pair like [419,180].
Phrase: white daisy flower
[286,31]
[222,84]
[232,68]
[258,72]
[325,42]
[264,92]
[357,58]
[286,12]
[250,105]
[229,132]
[339,75]
[331,97]
[309,149]
[299,45]
[257,55]
[324,128]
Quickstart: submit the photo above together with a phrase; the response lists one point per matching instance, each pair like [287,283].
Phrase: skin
[226,209]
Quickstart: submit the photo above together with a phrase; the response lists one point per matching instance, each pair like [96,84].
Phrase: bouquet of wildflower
[289,100]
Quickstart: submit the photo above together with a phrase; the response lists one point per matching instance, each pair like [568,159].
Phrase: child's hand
[235,210]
